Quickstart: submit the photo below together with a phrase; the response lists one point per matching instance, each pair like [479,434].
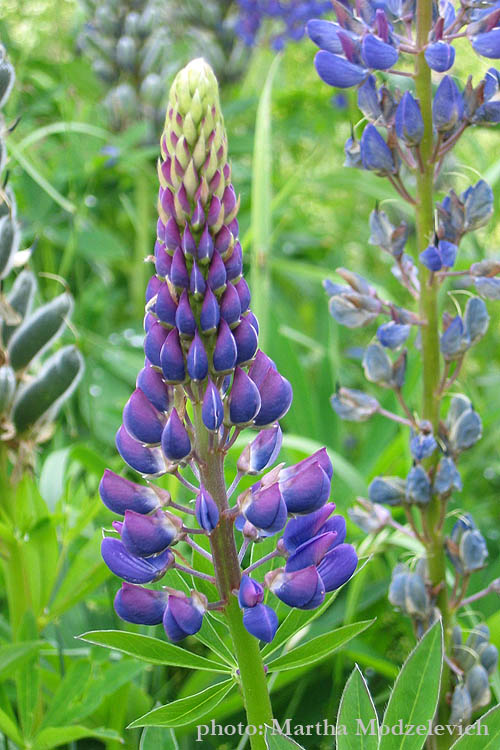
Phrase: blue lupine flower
[183,615]
[140,605]
[261,621]
[409,122]
[442,255]
[418,486]
[207,513]
[202,356]
[447,105]
[466,546]
[377,54]
[375,153]
[422,446]
[337,71]
[303,588]
[292,15]
[440,56]
[393,335]
[488,44]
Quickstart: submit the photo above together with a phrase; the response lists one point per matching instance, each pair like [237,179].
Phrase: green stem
[430,334]
[228,574]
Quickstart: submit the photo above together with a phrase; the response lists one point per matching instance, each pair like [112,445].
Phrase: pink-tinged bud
[251,592]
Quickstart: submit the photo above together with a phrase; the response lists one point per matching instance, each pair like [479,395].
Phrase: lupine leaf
[8,727]
[55,736]
[69,689]
[317,648]
[152,650]
[185,711]
[480,741]
[416,691]
[279,741]
[153,738]
[356,705]
[15,655]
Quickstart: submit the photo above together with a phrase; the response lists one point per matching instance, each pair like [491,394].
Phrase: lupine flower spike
[204,380]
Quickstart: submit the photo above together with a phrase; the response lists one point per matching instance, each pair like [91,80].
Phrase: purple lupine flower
[442,255]
[447,105]
[204,379]
[409,122]
[292,16]
[375,153]
[440,56]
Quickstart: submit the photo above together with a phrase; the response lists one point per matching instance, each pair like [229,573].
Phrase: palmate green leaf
[416,692]
[69,690]
[55,736]
[356,704]
[113,678]
[276,741]
[153,738]
[318,648]
[186,711]
[478,739]
[9,728]
[152,650]
[15,655]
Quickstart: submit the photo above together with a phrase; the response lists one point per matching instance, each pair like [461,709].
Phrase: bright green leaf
[318,648]
[153,738]
[55,736]
[14,655]
[478,739]
[416,691]
[8,727]
[356,705]
[186,711]
[276,741]
[152,650]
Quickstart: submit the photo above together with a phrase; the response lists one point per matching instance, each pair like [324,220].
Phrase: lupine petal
[175,440]
[197,360]
[310,552]
[142,421]
[132,568]
[151,384]
[140,605]
[210,312]
[338,566]
[172,359]
[440,56]
[183,616]
[212,410]
[207,513]
[137,456]
[225,351]
[120,494]
[250,593]
[299,530]
[378,54]
[184,318]
[244,401]
[307,490]
[262,452]
[147,535]
[337,71]
[275,395]
[155,338]
[261,621]
[246,339]
[303,589]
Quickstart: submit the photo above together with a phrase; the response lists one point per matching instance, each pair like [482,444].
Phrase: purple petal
[431,258]
[184,318]
[337,71]
[147,535]
[152,287]
[183,616]
[303,589]
[216,273]
[244,401]
[120,494]
[261,621]
[197,285]
[163,261]
[197,360]
[139,457]
[230,307]
[265,509]
[338,566]
[212,410]
[225,352]
[310,552]
[205,246]
[207,513]
[262,452]
[172,235]
[307,490]
[324,35]
[299,530]
[132,568]
[151,384]
[440,56]
[165,306]
[276,397]
[172,359]
[244,294]
[210,312]
[246,339]
[155,338]
[178,272]
[188,243]
[142,421]
[175,440]
[378,54]
[488,44]
[139,605]
[251,592]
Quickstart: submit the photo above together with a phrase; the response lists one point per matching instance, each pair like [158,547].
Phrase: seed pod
[20,298]
[38,331]
[41,399]
[7,387]
[461,706]
[10,239]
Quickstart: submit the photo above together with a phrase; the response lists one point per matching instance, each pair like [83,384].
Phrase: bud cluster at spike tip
[201,347]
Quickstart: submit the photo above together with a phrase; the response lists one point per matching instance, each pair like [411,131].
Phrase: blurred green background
[93,219]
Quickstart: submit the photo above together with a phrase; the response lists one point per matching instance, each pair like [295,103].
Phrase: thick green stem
[430,332]
[227,574]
